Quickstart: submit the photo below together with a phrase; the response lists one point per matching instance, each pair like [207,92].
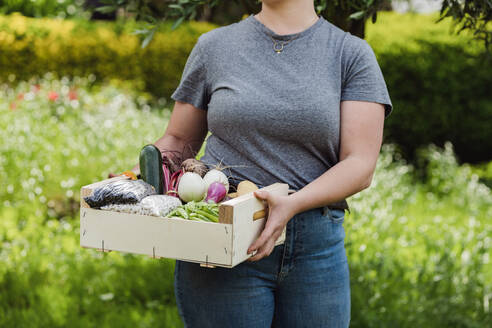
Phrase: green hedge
[43,8]
[107,50]
[439,82]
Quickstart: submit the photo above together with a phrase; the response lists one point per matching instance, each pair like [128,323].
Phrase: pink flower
[72,95]
[36,87]
[13,106]
[52,96]
[20,96]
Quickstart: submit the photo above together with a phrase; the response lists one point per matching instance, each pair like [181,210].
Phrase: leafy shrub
[42,8]
[484,171]
[439,83]
[30,47]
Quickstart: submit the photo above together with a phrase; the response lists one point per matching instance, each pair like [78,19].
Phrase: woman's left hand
[280,211]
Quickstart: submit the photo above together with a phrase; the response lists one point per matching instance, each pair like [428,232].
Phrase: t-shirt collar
[268,32]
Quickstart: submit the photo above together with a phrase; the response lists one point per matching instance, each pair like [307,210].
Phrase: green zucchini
[151,167]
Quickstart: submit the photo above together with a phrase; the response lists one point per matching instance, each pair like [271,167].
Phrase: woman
[288,97]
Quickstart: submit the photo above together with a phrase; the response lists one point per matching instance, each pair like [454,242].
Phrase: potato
[245,187]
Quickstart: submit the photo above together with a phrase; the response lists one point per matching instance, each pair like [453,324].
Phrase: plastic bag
[154,205]
[124,208]
[159,205]
[120,192]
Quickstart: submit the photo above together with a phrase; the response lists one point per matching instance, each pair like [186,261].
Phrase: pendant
[278,47]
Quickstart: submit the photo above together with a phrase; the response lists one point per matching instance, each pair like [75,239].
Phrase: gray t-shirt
[275,117]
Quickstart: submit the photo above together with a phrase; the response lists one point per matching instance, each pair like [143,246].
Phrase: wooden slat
[226,209]
[226,213]
[271,188]
[202,242]
[258,207]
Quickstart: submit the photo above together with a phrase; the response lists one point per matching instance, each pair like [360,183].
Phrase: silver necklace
[278,45]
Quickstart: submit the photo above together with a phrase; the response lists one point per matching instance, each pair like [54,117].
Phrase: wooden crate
[224,244]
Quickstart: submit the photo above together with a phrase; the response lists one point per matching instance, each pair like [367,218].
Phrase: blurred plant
[484,171]
[107,50]
[435,80]
[147,11]
[55,124]
[350,15]
[44,8]
[419,250]
[419,247]
[63,134]
[431,100]
[473,15]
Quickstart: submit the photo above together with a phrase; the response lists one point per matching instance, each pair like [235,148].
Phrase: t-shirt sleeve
[362,78]
[192,88]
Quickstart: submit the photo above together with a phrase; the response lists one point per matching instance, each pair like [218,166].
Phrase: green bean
[183,213]
[207,215]
[198,211]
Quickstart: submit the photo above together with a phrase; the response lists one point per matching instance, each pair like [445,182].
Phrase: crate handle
[260,214]
[247,202]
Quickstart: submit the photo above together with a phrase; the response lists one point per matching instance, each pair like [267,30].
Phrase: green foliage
[419,253]
[439,84]
[484,171]
[43,8]
[30,47]
[472,15]
[438,81]
[56,137]
[148,10]
[350,15]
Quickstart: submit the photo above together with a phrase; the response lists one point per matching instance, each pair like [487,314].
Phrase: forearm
[344,179]
[171,145]
[185,133]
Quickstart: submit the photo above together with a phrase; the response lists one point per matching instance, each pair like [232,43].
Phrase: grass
[418,240]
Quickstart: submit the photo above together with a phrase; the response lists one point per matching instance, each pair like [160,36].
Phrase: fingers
[265,243]
[262,239]
[264,251]
[263,195]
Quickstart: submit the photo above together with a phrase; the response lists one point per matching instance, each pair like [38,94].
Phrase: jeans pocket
[336,215]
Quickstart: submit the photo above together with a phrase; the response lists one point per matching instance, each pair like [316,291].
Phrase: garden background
[79,97]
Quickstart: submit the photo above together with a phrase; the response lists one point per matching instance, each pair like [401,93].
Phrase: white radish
[192,187]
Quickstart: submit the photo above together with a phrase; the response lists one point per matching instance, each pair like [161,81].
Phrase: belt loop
[326,211]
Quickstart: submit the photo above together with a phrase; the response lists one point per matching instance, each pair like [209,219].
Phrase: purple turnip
[216,192]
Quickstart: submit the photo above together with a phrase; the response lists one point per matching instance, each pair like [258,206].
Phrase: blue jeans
[303,283]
